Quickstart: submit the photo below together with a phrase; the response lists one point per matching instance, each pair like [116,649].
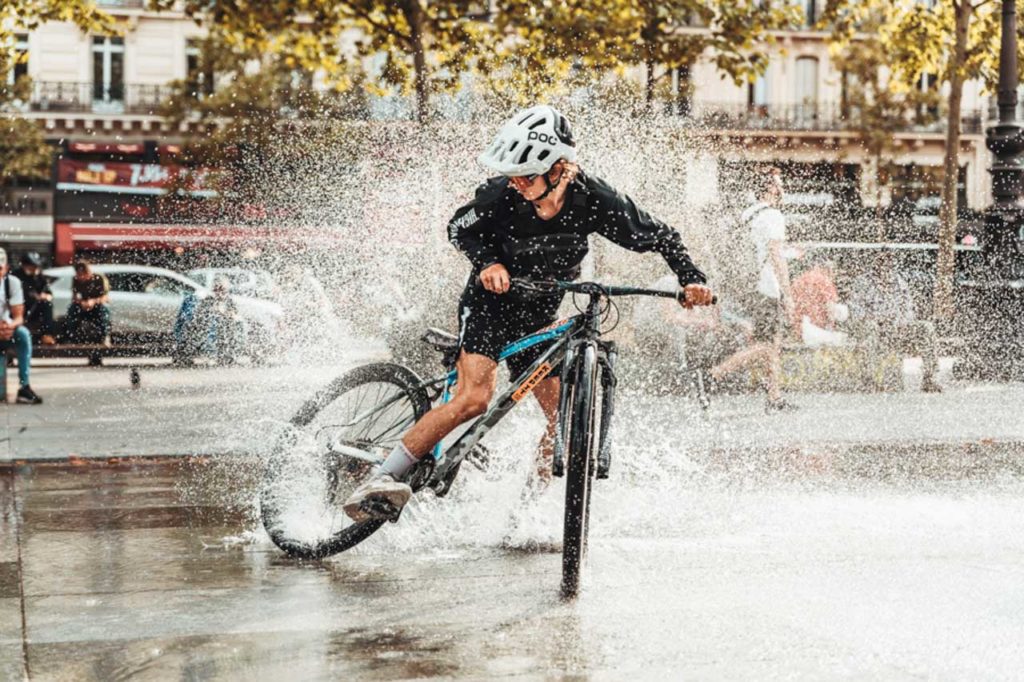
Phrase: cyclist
[532,220]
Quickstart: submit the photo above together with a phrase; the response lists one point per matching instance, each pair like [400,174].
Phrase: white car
[144,301]
[244,282]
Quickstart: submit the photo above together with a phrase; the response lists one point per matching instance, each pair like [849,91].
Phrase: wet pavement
[864,536]
[155,569]
[95,412]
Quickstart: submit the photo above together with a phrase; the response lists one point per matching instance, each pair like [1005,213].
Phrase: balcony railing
[121,4]
[134,98]
[75,97]
[813,118]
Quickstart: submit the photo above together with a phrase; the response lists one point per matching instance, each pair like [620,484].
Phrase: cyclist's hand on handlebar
[696,295]
[495,278]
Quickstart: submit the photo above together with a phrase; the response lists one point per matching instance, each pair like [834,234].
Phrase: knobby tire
[579,471]
[384,373]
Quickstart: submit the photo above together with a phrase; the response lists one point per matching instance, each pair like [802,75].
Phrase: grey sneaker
[379,497]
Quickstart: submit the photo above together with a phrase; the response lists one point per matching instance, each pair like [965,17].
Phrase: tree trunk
[945,260]
[880,235]
[414,15]
[649,35]
[649,89]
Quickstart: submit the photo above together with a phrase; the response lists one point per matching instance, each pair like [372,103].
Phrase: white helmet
[530,143]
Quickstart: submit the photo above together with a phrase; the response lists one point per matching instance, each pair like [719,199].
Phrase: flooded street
[140,569]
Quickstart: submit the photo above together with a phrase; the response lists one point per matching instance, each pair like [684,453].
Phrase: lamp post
[1004,138]
[991,285]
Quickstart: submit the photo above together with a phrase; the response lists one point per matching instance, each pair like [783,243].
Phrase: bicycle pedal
[441,488]
[480,457]
[380,508]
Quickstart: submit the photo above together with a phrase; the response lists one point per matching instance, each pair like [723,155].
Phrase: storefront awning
[72,237]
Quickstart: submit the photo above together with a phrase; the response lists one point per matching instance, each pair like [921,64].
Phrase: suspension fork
[606,361]
[567,380]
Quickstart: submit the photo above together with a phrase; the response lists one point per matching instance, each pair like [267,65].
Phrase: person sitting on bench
[38,298]
[90,293]
[13,331]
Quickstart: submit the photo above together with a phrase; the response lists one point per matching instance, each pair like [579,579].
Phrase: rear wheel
[317,462]
[580,470]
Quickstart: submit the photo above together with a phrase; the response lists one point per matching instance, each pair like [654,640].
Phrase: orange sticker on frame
[531,382]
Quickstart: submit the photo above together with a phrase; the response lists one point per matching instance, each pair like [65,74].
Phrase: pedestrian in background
[38,298]
[882,315]
[769,302]
[13,331]
[816,297]
[90,293]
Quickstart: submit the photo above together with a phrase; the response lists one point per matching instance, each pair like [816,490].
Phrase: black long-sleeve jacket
[499,226]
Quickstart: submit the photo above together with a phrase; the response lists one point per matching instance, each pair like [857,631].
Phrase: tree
[874,105]
[675,34]
[261,117]
[656,34]
[426,46]
[23,151]
[545,48]
[957,41]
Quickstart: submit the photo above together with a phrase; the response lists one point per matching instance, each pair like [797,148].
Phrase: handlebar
[593,288]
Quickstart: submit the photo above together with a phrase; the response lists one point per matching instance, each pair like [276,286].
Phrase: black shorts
[489,322]
[766,314]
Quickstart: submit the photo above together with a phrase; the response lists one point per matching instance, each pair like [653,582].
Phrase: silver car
[144,300]
[243,281]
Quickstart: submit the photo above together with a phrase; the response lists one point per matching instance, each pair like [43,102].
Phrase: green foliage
[919,38]
[877,106]
[957,41]
[542,40]
[256,96]
[23,152]
[423,46]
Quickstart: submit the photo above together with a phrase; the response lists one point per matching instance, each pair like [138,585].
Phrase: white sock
[398,463]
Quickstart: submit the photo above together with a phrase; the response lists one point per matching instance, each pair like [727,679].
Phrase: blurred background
[264,142]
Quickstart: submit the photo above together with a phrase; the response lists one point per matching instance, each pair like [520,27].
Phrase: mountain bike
[351,425]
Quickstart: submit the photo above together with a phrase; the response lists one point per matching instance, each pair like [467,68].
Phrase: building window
[810,12]
[198,75]
[681,101]
[757,92]
[928,85]
[806,90]
[807,80]
[20,67]
[108,71]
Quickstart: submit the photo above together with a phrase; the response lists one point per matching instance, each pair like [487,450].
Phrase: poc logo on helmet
[542,137]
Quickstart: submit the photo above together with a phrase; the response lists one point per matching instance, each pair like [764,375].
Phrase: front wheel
[579,470]
[319,460]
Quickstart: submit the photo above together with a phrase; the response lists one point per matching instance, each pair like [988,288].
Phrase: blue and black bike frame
[569,339]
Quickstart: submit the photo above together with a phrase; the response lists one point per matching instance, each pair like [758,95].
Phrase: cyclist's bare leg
[547,393]
[477,375]
[476,379]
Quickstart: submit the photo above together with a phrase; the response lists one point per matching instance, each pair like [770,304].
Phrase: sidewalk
[94,412]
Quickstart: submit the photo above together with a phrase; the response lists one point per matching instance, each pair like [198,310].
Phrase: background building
[105,91]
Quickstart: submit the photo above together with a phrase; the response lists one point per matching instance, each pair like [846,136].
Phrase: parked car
[243,281]
[144,303]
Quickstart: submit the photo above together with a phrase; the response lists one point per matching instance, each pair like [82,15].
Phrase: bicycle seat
[440,339]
